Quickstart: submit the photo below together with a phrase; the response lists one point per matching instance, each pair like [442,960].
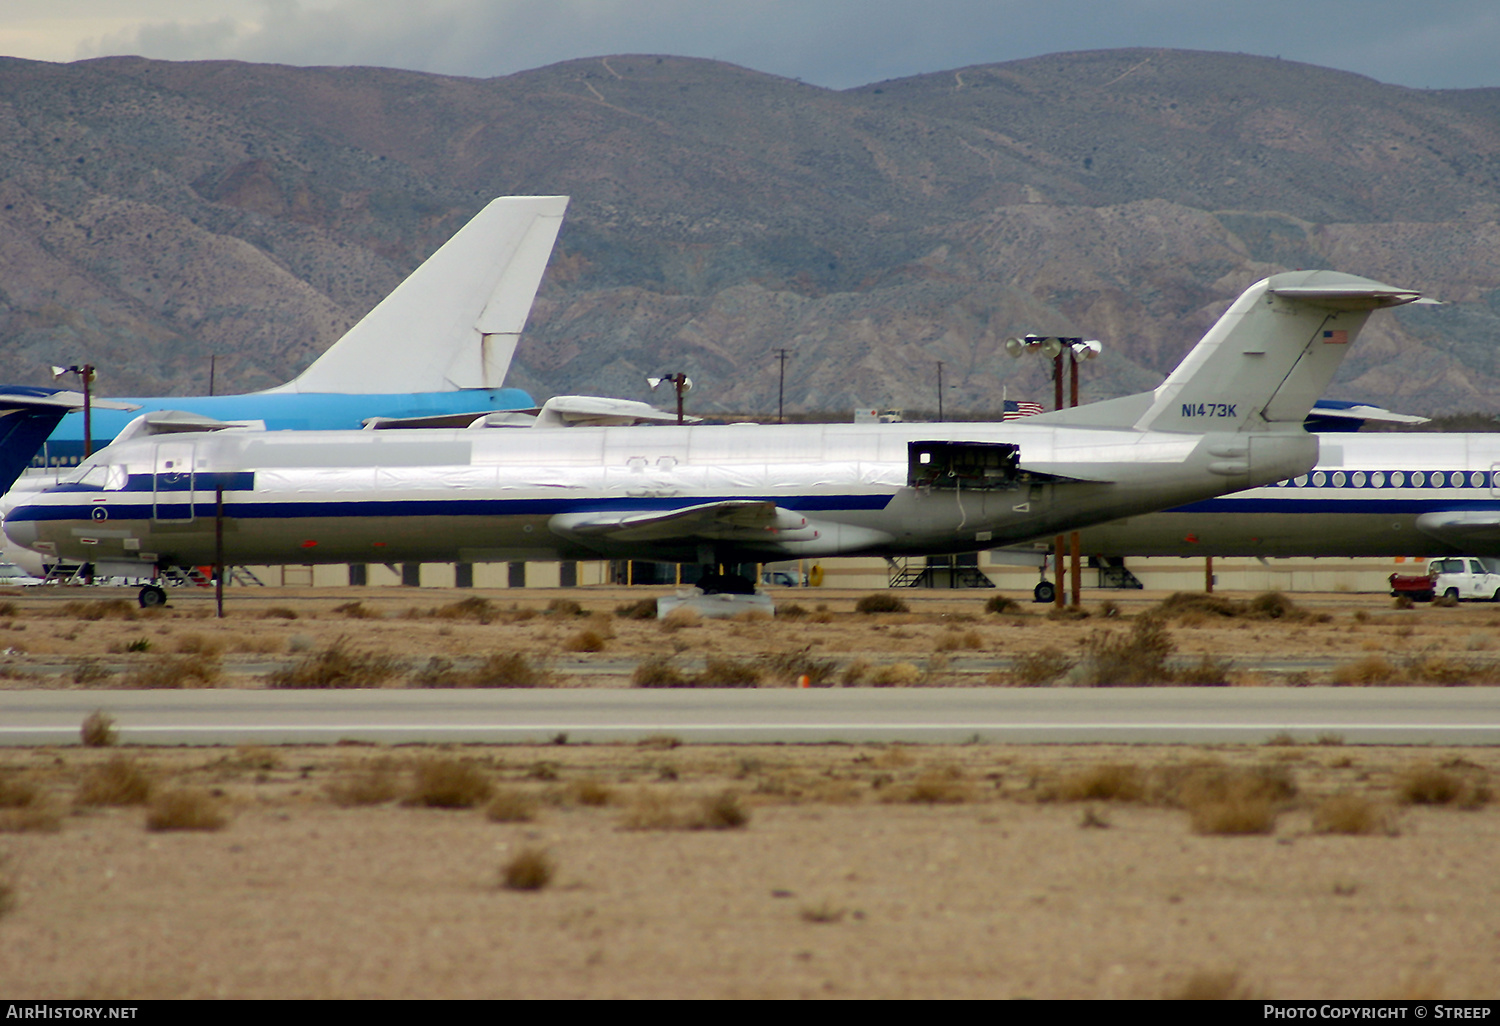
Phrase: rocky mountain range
[155,214]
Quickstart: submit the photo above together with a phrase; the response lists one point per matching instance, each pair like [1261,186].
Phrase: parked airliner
[1228,418]
[441,342]
[1417,494]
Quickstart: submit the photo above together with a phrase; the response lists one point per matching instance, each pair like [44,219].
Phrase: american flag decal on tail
[1336,338]
[1016,410]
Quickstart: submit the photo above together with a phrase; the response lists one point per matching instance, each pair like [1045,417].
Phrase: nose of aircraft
[21,532]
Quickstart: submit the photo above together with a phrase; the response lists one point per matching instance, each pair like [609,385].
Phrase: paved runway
[1446,716]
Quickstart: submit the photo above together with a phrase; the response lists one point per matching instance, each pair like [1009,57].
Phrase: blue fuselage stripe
[135,510]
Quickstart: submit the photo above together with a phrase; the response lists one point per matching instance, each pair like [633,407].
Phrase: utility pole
[940,391]
[781,386]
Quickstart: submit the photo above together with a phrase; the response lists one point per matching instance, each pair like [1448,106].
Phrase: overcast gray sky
[835,43]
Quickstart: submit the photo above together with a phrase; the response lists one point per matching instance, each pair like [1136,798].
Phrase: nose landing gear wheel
[151,596]
[1046,591]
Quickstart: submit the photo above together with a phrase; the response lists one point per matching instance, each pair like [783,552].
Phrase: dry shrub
[895,675]
[88,670]
[1234,816]
[1068,613]
[644,609]
[729,673]
[36,820]
[1197,607]
[1350,814]
[479,610]
[1224,800]
[1434,785]
[1107,782]
[585,641]
[445,783]
[655,810]
[722,811]
[881,602]
[1188,786]
[659,742]
[821,616]
[855,673]
[591,791]
[650,810]
[335,667]
[357,611]
[1211,985]
[1117,659]
[1445,602]
[439,672]
[790,611]
[530,870]
[99,609]
[658,671]
[1430,669]
[375,784]
[509,670]
[184,671]
[98,730]
[939,786]
[565,607]
[198,644]
[120,781]
[789,667]
[18,793]
[1207,672]
[187,808]
[1038,669]
[510,805]
[677,619]
[955,641]
[279,613]
[825,912]
[1004,605]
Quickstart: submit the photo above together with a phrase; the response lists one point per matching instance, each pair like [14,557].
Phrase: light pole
[680,381]
[1076,349]
[940,391]
[85,373]
[781,385]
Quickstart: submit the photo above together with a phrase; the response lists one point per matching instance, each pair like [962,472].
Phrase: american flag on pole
[1016,410]
[1336,338]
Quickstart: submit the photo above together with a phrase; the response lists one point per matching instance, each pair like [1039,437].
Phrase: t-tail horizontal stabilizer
[454,322]
[1262,365]
[27,416]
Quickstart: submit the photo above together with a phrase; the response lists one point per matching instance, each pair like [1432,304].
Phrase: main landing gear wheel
[1045,591]
[152,596]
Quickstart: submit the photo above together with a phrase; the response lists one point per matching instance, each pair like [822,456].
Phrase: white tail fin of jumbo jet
[455,321]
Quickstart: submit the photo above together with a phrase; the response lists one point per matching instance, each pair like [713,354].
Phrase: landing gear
[713,583]
[1045,591]
[152,596]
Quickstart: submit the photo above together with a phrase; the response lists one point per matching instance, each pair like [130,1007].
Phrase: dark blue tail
[27,416]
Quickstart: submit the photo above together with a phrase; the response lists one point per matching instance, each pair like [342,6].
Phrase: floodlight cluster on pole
[680,381]
[85,374]
[1077,349]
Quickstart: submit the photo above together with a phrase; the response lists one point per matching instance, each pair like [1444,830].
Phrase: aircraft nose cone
[22,532]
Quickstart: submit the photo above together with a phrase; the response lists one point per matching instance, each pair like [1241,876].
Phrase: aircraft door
[172,483]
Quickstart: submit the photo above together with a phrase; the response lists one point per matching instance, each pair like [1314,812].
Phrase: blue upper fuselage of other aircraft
[280,411]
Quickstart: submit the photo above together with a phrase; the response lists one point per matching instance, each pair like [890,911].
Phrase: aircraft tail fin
[1264,362]
[455,321]
[27,416]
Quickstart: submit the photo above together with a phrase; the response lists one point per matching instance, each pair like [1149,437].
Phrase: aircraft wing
[743,520]
[1463,529]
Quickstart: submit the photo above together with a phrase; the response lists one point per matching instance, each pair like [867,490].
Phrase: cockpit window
[94,476]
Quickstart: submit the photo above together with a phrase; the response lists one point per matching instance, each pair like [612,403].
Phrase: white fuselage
[500,494]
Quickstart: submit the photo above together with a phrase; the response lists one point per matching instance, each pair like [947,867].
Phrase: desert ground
[660,869]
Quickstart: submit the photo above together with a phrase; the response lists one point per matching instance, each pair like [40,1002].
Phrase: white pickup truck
[1466,577]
